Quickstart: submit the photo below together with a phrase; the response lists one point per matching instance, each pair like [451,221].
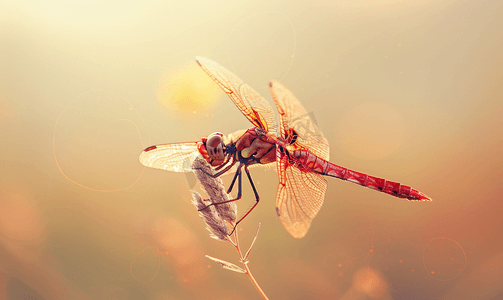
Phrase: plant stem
[245,264]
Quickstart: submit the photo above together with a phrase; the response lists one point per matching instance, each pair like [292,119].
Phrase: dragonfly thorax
[260,131]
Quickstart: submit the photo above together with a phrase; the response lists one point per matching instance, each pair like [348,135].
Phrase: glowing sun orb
[188,90]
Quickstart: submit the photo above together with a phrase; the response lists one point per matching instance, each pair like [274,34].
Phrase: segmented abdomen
[307,161]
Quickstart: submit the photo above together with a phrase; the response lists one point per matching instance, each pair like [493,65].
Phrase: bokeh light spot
[370,282]
[94,135]
[444,259]
[20,218]
[146,264]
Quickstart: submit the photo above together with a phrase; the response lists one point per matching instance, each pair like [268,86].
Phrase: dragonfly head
[215,146]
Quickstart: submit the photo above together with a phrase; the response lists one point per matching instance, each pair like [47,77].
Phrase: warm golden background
[407,90]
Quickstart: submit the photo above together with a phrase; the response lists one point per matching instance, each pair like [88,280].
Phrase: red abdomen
[307,161]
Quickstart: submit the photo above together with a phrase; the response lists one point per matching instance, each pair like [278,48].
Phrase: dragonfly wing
[292,115]
[171,157]
[249,102]
[299,198]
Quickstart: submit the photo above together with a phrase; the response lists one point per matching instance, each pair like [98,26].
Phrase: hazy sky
[405,90]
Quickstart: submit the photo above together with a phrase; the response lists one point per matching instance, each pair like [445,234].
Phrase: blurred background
[410,91]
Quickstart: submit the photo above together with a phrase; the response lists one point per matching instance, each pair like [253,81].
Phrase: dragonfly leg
[257,198]
[251,183]
[238,175]
[220,172]
[224,163]
[225,169]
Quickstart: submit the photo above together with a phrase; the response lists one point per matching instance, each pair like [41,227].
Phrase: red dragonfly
[300,152]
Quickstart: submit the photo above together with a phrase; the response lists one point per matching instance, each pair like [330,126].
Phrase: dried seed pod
[215,189]
[215,224]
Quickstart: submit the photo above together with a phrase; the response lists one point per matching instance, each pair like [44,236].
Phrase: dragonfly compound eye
[215,146]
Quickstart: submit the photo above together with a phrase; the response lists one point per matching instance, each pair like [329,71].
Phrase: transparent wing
[292,115]
[249,102]
[171,157]
[300,194]
[299,198]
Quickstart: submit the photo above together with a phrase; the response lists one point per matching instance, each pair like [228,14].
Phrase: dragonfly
[298,148]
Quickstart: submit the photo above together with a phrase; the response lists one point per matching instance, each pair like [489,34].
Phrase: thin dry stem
[253,243]
[245,265]
[217,216]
